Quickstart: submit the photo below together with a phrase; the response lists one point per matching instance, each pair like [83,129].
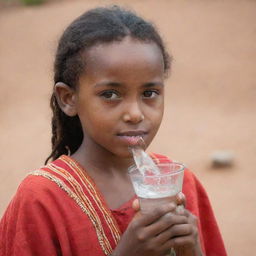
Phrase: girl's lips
[131,140]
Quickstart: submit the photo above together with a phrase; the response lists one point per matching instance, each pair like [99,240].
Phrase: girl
[110,68]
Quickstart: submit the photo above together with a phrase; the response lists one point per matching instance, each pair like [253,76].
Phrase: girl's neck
[101,160]
[109,173]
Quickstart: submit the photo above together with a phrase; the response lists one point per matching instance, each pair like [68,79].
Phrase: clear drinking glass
[154,189]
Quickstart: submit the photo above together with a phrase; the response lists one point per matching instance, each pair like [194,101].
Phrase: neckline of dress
[122,207]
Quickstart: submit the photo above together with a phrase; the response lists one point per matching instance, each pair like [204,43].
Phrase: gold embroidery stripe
[80,203]
[79,192]
[108,216]
[75,185]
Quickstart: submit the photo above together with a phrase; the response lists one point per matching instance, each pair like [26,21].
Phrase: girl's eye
[111,95]
[150,94]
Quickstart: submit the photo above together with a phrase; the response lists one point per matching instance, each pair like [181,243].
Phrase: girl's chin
[124,154]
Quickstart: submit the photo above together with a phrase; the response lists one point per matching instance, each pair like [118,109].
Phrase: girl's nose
[133,113]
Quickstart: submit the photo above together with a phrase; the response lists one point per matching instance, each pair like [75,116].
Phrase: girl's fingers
[192,219]
[174,231]
[165,223]
[177,242]
[156,214]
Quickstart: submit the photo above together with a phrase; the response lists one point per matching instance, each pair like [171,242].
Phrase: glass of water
[156,188]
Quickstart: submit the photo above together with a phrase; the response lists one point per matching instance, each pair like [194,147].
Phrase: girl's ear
[66,98]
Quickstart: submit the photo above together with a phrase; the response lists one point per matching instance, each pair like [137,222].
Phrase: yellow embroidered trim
[79,191]
[107,215]
[104,243]
[91,189]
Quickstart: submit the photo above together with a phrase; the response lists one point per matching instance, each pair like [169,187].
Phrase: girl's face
[120,96]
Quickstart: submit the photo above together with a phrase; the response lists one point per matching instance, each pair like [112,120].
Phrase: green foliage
[18,2]
[32,2]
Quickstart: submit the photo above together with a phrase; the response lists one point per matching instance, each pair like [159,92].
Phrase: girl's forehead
[128,51]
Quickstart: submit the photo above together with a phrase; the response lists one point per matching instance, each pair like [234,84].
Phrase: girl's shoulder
[39,191]
[44,179]
[34,189]
[35,184]
[32,196]
[38,185]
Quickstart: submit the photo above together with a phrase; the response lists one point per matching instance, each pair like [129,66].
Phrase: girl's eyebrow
[108,83]
[152,84]
[116,84]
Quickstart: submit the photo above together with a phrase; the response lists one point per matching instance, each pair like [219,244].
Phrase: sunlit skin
[119,98]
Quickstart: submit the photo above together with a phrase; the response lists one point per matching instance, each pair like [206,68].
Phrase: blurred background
[209,122]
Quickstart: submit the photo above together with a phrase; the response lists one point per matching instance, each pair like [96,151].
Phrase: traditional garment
[58,210]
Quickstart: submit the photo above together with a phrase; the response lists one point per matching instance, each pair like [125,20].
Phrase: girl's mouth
[132,138]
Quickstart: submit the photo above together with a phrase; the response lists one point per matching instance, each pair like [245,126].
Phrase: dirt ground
[210,97]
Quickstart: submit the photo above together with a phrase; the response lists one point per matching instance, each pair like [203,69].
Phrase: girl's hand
[154,234]
[151,234]
[186,243]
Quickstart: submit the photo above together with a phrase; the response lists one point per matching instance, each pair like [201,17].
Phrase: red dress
[58,210]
